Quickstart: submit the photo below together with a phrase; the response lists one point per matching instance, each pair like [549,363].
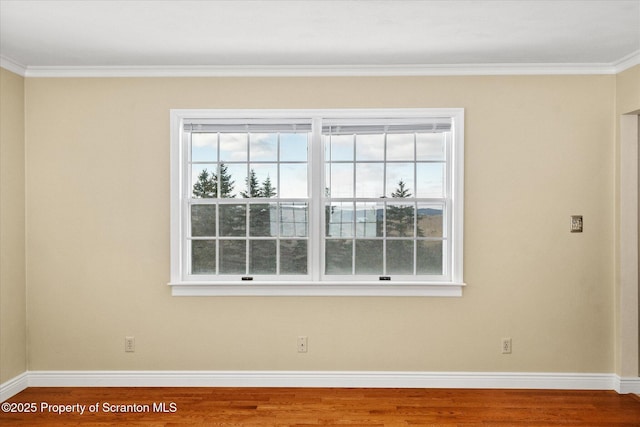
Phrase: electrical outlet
[506,345]
[129,344]
[302,344]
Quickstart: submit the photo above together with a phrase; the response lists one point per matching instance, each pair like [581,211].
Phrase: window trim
[315,287]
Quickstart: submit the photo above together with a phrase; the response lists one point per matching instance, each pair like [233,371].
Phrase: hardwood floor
[182,406]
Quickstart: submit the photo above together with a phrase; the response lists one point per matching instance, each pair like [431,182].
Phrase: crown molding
[13,66]
[627,62]
[321,71]
[380,70]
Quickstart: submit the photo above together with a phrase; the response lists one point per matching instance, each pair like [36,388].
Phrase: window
[316,202]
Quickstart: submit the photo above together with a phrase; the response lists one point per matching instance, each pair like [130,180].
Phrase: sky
[361,157]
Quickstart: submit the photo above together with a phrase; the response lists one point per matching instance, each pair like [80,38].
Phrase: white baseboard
[13,386]
[627,385]
[321,379]
[373,379]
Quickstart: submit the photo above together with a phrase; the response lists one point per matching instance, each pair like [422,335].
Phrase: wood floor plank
[306,407]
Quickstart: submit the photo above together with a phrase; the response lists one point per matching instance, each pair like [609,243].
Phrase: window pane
[262,257]
[263,180]
[369,180]
[232,256]
[203,220]
[400,180]
[263,146]
[341,180]
[429,257]
[203,182]
[293,180]
[262,219]
[369,219]
[430,180]
[203,257]
[338,256]
[400,219]
[400,256]
[233,147]
[370,147]
[293,147]
[339,147]
[430,146]
[430,221]
[294,219]
[339,218]
[233,180]
[233,220]
[369,257]
[400,146]
[204,147]
[293,257]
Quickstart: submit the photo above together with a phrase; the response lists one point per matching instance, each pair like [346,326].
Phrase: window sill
[397,289]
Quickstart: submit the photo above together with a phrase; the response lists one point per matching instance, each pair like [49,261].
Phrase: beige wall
[538,149]
[13,336]
[626,299]
[628,91]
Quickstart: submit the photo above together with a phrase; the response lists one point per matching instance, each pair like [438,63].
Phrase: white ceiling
[44,36]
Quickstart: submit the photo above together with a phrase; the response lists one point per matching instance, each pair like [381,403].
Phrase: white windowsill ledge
[397,289]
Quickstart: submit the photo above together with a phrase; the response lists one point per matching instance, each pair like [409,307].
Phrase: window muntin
[354,196]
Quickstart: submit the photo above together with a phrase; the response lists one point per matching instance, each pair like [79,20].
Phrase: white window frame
[315,283]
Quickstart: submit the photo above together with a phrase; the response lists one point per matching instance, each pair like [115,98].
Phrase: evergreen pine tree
[402,191]
[206,186]
[226,184]
[260,213]
[267,190]
[252,184]
[400,223]
[400,217]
